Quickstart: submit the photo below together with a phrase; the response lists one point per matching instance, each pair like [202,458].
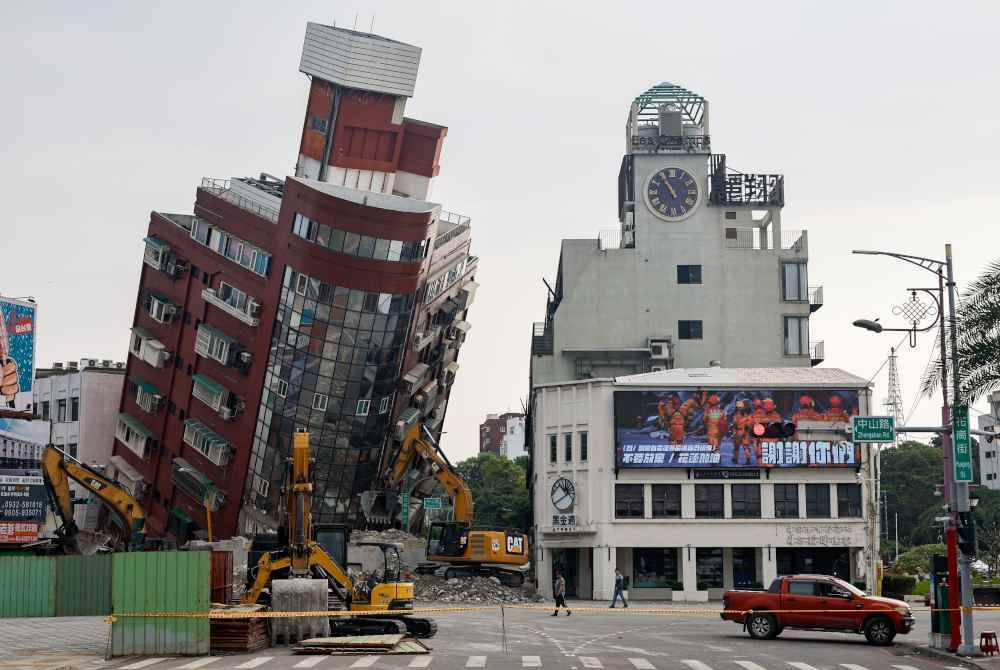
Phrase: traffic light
[966,528]
[774,429]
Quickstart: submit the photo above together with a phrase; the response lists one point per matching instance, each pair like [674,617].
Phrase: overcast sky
[884,118]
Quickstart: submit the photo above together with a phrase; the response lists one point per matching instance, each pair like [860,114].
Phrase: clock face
[563,494]
[672,194]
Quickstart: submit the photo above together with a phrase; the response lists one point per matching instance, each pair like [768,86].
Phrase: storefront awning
[196,484]
[156,295]
[148,388]
[135,424]
[125,469]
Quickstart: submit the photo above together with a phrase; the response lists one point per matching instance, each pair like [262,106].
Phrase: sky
[883,117]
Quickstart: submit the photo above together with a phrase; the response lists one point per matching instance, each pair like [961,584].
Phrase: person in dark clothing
[619,589]
[559,591]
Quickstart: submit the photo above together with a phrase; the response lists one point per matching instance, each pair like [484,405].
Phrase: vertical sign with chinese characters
[962,443]
[405,499]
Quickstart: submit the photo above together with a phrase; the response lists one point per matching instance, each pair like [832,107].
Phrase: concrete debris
[489,590]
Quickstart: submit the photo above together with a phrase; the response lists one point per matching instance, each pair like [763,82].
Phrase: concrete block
[299,595]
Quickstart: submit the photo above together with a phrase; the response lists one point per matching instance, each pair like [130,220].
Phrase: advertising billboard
[23,504]
[686,428]
[22,442]
[17,353]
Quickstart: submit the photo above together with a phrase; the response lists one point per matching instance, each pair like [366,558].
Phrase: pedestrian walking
[619,589]
[559,591]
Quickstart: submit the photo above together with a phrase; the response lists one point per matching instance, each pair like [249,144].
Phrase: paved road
[594,640]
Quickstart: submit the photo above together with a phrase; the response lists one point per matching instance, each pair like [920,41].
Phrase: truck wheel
[762,626]
[879,631]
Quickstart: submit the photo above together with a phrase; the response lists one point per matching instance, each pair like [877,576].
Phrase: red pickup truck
[816,602]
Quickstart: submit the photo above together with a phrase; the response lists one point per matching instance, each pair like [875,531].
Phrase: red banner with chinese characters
[18,533]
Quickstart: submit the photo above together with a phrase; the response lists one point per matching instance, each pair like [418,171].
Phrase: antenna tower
[894,399]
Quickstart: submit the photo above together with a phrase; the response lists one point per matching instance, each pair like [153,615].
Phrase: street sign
[405,500]
[432,503]
[963,443]
[873,428]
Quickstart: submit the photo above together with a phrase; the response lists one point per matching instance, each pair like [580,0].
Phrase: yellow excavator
[59,468]
[304,557]
[452,546]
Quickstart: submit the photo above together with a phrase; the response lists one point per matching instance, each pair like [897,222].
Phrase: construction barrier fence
[44,586]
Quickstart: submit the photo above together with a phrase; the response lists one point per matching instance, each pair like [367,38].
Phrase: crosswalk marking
[749,665]
[696,665]
[641,664]
[801,666]
[851,666]
[143,664]
[531,662]
[310,662]
[200,663]
[364,662]
[253,663]
[421,661]
[476,662]
[591,662]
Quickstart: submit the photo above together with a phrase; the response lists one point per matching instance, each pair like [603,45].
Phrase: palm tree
[978,321]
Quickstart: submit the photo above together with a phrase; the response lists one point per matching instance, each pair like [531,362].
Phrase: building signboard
[963,443]
[17,354]
[685,428]
[22,497]
[726,474]
[432,503]
[18,532]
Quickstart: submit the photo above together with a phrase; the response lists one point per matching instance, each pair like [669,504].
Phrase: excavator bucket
[380,507]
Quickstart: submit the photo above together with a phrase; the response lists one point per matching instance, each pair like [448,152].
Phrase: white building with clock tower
[700,269]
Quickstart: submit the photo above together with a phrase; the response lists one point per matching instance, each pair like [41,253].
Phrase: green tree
[498,490]
[909,475]
[978,336]
[917,560]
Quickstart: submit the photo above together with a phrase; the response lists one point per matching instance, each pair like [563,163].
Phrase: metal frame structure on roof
[691,105]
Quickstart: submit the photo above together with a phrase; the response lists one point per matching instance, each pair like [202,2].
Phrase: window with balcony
[234,301]
[206,442]
[236,249]
[136,437]
[796,335]
[629,502]
[213,343]
[794,283]
[210,392]
[689,330]
[147,397]
[160,307]
[147,348]
[156,254]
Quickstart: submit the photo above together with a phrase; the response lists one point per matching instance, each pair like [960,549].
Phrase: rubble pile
[430,588]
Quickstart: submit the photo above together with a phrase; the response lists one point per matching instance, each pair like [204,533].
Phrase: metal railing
[817,352]
[221,188]
[450,235]
[453,217]
[745,238]
[541,338]
[210,295]
[609,239]
[794,240]
[815,297]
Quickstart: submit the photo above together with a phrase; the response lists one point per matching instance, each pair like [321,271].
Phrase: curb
[989,663]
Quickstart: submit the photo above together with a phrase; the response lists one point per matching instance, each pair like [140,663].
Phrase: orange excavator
[455,547]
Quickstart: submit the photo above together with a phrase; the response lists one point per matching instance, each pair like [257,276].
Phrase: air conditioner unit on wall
[660,348]
[245,357]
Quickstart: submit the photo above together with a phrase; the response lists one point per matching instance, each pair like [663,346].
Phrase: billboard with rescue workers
[687,428]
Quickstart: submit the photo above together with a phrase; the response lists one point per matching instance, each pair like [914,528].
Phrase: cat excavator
[303,558]
[58,469]
[454,547]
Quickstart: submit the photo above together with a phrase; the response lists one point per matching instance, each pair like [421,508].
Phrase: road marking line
[200,663]
[642,664]
[421,661]
[364,662]
[476,662]
[591,662]
[749,665]
[851,666]
[801,666]
[143,664]
[696,665]
[310,662]
[254,662]
[531,662]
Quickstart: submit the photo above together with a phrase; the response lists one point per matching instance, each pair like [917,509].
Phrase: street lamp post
[956,493]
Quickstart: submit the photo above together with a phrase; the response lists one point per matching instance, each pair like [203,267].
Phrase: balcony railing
[541,338]
[247,316]
[452,217]
[746,238]
[442,240]
[221,188]
[794,240]
[815,298]
[817,353]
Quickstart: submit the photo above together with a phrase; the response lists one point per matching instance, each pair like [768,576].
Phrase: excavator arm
[58,471]
[317,556]
[413,446]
